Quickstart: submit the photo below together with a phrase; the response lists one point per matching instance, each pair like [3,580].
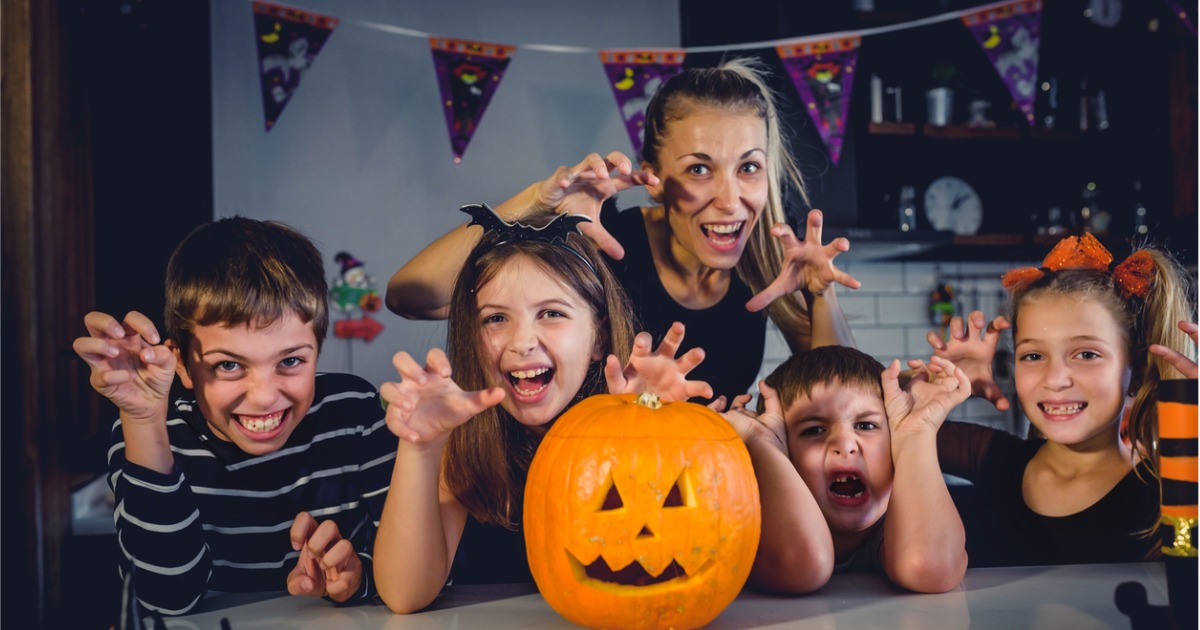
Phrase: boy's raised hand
[130,366]
[328,564]
[807,265]
[657,372]
[972,348]
[930,395]
[426,404]
[767,426]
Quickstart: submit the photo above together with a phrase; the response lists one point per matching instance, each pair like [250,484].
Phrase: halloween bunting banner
[468,74]
[1010,36]
[634,76]
[288,41]
[823,73]
[821,67]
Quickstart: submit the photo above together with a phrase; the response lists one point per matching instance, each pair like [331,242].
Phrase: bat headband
[1133,276]
[555,232]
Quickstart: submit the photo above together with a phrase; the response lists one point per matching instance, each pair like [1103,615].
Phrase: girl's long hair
[487,458]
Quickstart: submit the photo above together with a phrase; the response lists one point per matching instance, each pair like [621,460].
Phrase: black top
[1003,531]
[490,554]
[733,338]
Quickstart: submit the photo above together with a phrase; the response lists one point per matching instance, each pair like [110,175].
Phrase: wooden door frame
[48,285]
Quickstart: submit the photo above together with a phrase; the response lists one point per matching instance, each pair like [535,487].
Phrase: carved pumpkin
[640,515]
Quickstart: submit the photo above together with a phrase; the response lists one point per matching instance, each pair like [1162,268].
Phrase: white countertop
[1075,596]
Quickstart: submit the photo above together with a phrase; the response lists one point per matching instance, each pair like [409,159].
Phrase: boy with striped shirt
[254,473]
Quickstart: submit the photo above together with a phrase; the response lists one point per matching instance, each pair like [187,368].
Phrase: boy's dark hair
[823,365]
[239,271]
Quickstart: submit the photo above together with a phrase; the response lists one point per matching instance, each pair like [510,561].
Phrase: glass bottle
[908,209]
[1140,214]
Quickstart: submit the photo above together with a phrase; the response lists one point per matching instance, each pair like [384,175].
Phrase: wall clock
[951,204]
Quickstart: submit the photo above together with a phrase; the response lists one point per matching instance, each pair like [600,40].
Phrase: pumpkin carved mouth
[599,574]
[633,575]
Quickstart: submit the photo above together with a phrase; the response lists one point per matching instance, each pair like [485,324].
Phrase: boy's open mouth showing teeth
[849,486]
[723,233]
[1052,409]
[531,382]
[261,424]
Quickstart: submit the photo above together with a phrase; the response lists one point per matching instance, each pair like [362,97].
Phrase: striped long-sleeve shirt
[220,521]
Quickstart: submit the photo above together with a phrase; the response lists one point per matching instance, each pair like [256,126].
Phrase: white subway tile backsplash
[904,309]
[777,349]
[880,277]
[890,317]
[880,342]
[922,277]
[918,344]
[860,308]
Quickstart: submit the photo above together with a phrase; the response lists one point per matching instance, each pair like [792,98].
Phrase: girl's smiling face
[539,337]
[1072,372]
[253,383]
[714,183]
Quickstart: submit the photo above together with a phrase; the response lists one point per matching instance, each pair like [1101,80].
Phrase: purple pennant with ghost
[288,42]
[1010,36]
[823,73]
[634,76]
[468,74]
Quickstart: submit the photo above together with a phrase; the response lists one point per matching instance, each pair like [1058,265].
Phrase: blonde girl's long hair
[739,85]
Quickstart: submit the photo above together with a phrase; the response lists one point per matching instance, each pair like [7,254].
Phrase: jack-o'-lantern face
[638,517]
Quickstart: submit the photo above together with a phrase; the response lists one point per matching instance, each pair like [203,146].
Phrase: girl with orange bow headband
[1092,342]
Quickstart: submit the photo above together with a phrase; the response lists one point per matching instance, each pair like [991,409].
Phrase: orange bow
[1133,276]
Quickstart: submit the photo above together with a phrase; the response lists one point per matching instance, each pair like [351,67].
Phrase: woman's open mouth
[723,236]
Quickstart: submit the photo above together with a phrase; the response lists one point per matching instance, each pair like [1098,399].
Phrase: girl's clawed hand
[1186,366]
[658,371]
[972,348]
[426,404]
[807,265]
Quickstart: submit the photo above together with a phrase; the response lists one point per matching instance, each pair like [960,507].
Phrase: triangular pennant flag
[288,41]
[468,74]
[634,76]
[823,73]
[1010,36]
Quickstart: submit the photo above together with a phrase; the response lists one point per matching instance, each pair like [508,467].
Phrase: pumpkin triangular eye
[612,500]
[680,494]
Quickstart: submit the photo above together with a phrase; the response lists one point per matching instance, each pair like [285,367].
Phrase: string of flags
[469,73]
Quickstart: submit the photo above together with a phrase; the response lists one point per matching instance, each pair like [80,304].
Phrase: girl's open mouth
[529,383]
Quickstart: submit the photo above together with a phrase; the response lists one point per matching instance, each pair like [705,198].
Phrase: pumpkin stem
[649,401]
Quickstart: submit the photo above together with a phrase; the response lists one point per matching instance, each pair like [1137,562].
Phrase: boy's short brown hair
[239,271]
[823,365]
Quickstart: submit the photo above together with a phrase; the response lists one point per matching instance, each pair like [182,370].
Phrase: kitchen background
[128,122]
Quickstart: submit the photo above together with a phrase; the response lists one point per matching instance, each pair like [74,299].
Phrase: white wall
[360,159]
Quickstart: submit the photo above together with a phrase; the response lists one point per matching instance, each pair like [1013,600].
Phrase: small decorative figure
[354,292]
[941,307]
